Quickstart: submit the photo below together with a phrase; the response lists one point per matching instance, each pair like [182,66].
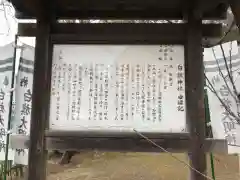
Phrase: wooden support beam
[120,143]
[195,97]
[131,145]
[124,9]
[40,103]
[113,134]
[118,33]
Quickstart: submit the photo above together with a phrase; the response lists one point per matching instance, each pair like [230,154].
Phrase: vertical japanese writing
[227,119]
[106,94]
[127,71]
[171,50]
[159,92]
[80,88]
[59,80]
[25,112]
[160,50]
[74,93]
[69,90]
[143,96]
[122,94]
[2,107]
[159,95]
[170,76]
[95,102]
[90,91]
[154,75]
[117,85]
[165,77]
[133,89]
[25,109]
[64,73]
[53,79]
[180,81]
[2,123]
[149,92]
[60,85]
[137,95]
[165,53]
[101,84]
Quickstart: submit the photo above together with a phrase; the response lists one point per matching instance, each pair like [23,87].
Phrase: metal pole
[209,129]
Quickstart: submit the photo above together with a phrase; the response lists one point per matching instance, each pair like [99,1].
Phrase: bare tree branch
[6,18]
[230,53]
[229,74]
[222,75]
[234,95]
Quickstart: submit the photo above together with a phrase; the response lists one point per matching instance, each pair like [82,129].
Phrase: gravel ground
[135,166]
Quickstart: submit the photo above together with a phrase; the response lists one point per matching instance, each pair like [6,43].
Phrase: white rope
[176,158]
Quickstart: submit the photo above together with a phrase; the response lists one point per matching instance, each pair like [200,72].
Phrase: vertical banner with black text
[6,69]
[222,68]
[23,98]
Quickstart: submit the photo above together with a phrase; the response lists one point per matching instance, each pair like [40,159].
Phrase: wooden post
[40,103]
[195,96]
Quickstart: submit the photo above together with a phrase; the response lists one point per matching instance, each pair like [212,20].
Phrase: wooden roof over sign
[120,9]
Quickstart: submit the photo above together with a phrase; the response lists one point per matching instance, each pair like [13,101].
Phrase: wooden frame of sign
[49,32]
[42,139]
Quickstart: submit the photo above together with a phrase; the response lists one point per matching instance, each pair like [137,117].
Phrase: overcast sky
[8,26]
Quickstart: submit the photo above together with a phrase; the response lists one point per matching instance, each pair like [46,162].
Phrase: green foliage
[11,170]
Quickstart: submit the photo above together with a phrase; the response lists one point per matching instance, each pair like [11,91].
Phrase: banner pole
[209,130]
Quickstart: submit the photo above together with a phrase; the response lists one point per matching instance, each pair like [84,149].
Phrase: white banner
[23,95]
[6,67]
[118,88]
[224,125]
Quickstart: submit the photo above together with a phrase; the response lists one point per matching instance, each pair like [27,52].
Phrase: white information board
[118,88]
[224,126]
